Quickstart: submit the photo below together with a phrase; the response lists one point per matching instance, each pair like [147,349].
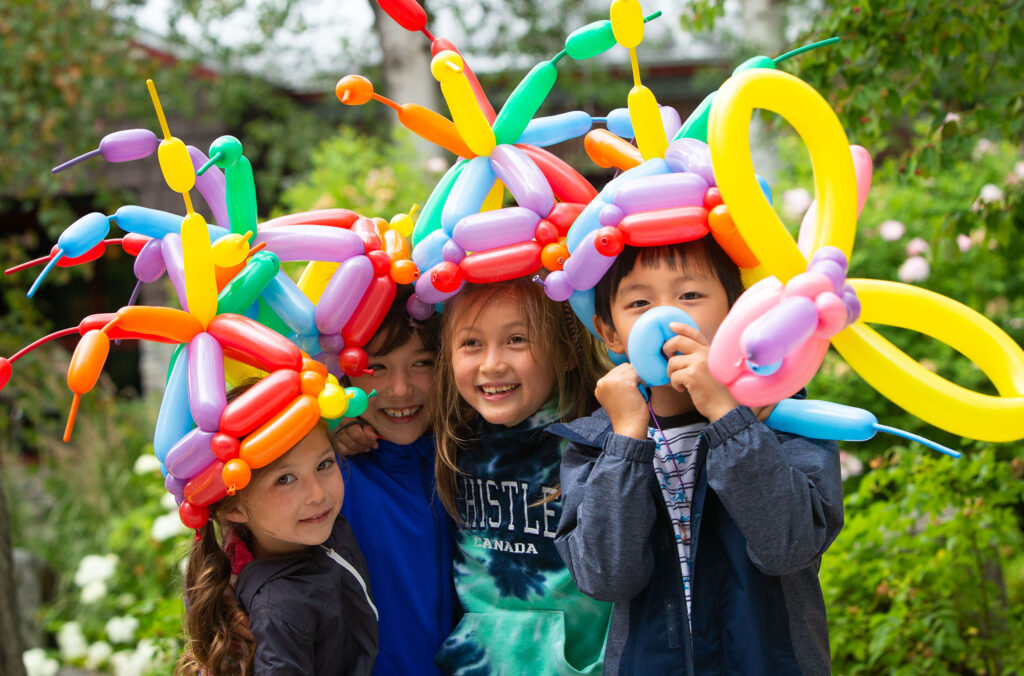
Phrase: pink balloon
[862,168]
[831,315]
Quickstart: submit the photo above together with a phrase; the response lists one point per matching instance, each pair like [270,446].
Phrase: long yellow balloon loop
[884,366]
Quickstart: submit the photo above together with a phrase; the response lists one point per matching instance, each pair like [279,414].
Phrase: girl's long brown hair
[553,330]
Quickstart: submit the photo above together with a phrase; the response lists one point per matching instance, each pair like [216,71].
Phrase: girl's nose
[399,385]
[493,361]
[315,492]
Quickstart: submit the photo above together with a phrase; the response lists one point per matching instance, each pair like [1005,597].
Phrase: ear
[236,514]
[609,335]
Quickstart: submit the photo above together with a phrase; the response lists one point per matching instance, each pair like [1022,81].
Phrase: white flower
[95,568]
[168,502]
[137,662]
[436,165]
[1018,169]
[38,664]
[983,147]
[849,465]
[917,246]
[952,117]
[795,202]
[146,463]
[71,641]
[121,629]
[891,230]
[963,242]
[93,592]
[167,526]
[98,653]
[991,193]
[914,269]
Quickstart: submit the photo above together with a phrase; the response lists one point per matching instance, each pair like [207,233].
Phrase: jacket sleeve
[784,492]
[607,517]
[283,646]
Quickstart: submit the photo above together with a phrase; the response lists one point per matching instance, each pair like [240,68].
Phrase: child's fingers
[686,330]
[356,437]
[681,345]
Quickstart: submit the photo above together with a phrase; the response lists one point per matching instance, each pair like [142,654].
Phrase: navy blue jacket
[765,507]
[406,536]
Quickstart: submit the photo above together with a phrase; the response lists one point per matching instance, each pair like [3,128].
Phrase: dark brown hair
[398,327]
[553,330]
[704,252]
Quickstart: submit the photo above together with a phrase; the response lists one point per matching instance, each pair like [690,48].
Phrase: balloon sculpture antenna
[209,163]
[72,162]
[72,414]
[42,275]
[805,48]
[42,341]
[935,446]
[159,109]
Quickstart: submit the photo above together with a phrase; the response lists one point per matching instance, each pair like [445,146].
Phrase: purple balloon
[417,309]
[128,144]
[311,243]
[343,293]
[557,286]
[670,120]
[174,261]
[523,179]
[206,396]
[212,186]
[493,229]
[586,265]
[191,455]
[331,343]
[149,264]
[689,154]
[452,252]
[776,333]
[665,191]
[610,215]
[831,253]
[832,270]
[175,487]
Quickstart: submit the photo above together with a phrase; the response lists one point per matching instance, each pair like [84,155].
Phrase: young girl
[511,363]
[305,590]
[390,498]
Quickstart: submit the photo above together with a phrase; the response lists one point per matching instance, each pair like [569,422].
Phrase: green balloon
[429,219]
[358,401]
[269,318]
[755,62]
[524,101]
[241,292]
[590,40]
[178,351]
[241,197]
[225,151]
[696,126]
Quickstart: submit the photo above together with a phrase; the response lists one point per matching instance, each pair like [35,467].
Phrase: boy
[706,532]
[390,499]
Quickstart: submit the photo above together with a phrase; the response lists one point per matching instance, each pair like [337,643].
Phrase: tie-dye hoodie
[523,613]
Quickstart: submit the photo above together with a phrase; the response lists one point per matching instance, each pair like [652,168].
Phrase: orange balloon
[236,475]
[312,382]
[554,255]
[225,275]
[404,272]
[729,238]
[281,432]
[434,127]
[177,325]
[353,90]
[608,150]
[396,245]
[87,361]
[314,366]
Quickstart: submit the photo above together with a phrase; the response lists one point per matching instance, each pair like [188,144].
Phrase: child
[305,590]
[390,498]
[706,532]
[511,363]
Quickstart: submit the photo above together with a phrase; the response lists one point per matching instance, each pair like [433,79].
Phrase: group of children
[523,510]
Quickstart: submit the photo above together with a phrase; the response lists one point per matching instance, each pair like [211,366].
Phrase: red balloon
[507,262]
[193,516]
[259,403]
[665,226]
[250,342]
[368,315]
[446,276]
[567,183]
[90,255]
[381,262]
[133,242]
[224,446]
[353,361]
[712,198]
[609,241]
[368,232]
[546,233]
[338,218]
[564,214]
[207,487]
[407,13]
[5,371]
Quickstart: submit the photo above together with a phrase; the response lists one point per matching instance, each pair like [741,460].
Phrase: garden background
[928,573]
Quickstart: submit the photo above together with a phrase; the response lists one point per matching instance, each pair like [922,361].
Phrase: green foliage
[357,171]
[927,576]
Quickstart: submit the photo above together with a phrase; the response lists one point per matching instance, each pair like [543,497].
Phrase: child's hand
[618,393]
[356,437]
[689,372]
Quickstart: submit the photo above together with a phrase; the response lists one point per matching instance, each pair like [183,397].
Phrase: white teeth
[498,389]
[401,412]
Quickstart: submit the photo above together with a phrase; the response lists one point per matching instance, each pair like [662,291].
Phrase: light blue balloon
[648,336]
[468,193]
[546,131]
[290,304]
[428,252]
[175,419]
[155,223]
[619,123]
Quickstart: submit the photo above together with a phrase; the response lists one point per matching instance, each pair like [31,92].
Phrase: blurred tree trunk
[10,631]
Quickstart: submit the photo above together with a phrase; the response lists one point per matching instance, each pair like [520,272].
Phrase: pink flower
[914,269]
[963,242]
[891,230]
[917,246]
[795,202]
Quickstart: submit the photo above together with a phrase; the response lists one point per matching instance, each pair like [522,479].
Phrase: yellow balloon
[469,120]
[236,372]
[834,180]
[403,223]
[627,23]
[176,165]
[332,401]
[884,366]
[230,250]
[200,277]
[494,197]
[646,119]
[315,277]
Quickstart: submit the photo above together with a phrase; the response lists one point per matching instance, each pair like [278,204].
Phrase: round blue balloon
[647,338]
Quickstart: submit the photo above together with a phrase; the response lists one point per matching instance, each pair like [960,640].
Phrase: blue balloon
[619,123]
[546,131]
[648,336]
[468,193]
[155,223]
[175,418]
[429,252]
[765,188]
[290,304]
